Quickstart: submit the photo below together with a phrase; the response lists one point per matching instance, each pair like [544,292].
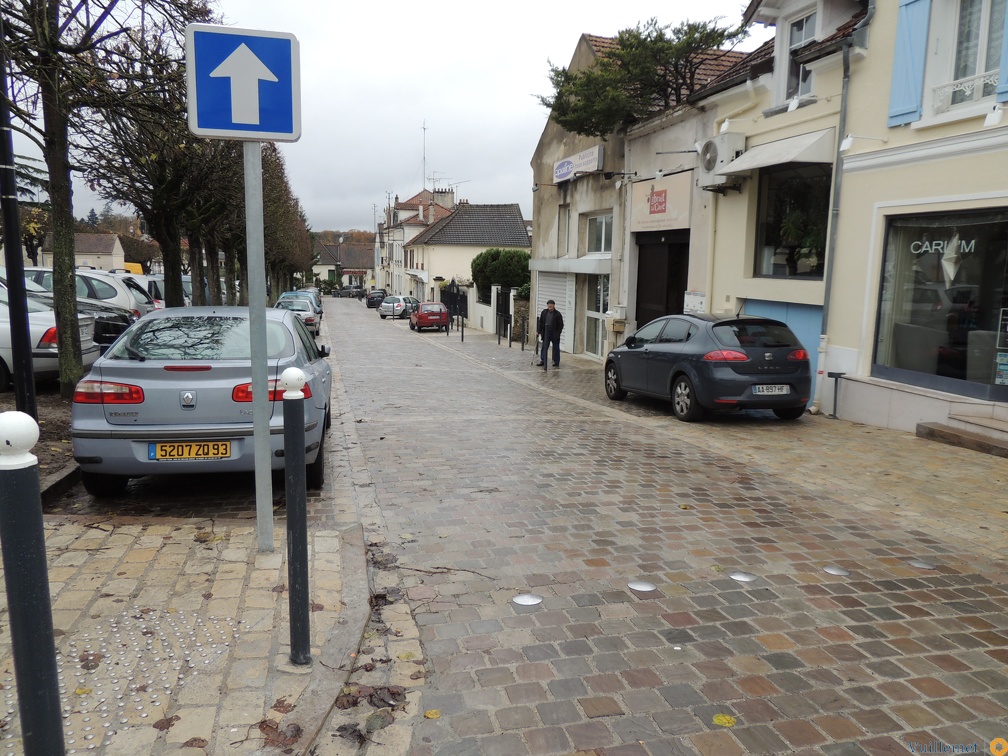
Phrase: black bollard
[296,492]
[462,328]
[26,575]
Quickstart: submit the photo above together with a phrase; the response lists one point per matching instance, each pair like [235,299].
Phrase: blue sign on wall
[243,84]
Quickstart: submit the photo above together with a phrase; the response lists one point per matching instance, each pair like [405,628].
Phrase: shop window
[599,235]
[793,216]
[944,297]
[800,33]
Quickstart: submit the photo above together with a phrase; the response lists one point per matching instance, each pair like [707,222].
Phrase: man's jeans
[549,338]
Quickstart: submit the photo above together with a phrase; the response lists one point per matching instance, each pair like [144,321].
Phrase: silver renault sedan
[173,396]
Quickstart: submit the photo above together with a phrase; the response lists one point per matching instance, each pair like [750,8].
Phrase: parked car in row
[350,292]
[304,310]
[397,307]
[110,320]
[429,315]
[97,284]
[174,397]
[42,337]
[305,295]
[704,362]
[375,297]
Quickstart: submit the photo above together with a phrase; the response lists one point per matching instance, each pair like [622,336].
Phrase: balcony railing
[961,91]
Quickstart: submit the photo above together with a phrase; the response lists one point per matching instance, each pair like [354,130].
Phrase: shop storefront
[943,306]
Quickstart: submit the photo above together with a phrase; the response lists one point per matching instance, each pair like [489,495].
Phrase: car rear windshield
[198,338]
[759,333]
[432,308]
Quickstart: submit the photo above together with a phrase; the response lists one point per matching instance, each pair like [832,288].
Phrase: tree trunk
[165,231]
[230,280]
[213,274]
[243,297]
[196,270]
[71,368]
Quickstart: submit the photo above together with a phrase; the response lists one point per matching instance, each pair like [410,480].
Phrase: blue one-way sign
[243,83]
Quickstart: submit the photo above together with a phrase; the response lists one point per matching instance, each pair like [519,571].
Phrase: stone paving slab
[528,481]
[461,477]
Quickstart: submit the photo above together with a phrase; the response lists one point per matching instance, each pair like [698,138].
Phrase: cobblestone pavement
[464,477]
[493,479]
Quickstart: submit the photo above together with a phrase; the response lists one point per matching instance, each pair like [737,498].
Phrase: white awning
[814,147]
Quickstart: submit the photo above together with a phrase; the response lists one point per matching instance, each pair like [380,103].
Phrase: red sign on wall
[658,201]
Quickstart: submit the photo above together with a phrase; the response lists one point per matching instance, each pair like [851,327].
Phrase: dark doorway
[662,267]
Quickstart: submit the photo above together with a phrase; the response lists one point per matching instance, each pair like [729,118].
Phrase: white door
[560,288]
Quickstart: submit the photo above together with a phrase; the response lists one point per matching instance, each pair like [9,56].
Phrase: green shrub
[506,267]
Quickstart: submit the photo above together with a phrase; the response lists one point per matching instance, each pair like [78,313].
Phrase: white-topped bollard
[22,539]
[296,493]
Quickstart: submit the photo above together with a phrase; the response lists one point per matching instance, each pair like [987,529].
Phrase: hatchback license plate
[189,450]
[771,389]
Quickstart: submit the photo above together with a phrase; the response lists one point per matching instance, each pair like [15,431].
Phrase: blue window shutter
[1002,87]
[907,93]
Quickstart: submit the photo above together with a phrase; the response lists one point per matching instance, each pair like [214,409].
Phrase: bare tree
[60,54]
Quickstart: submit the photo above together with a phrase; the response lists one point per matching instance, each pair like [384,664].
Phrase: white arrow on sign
[245,71]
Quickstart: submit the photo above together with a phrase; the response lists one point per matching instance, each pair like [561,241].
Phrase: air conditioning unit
[715,154]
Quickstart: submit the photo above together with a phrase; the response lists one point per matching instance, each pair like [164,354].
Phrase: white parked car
[42,337]
[97,284]
[304,310]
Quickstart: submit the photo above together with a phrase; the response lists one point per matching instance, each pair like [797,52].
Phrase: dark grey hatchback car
[708,362]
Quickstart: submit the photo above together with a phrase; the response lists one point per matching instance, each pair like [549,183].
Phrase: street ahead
[479,478]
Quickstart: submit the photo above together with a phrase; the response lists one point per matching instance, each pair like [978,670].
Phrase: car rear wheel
[789,413]
[315,472]
[413,326]
[381,315]
[102,485]
[684,402]
[612,385]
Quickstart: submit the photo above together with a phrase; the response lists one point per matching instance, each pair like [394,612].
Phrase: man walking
[549,326]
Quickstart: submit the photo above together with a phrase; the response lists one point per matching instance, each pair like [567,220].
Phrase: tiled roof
[89,244]
[600,45]
[713,65]
[761,59]
[358,256]
[479,226]
[351,255]
[424,197]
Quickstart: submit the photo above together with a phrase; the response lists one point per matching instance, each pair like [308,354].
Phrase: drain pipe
[816,407]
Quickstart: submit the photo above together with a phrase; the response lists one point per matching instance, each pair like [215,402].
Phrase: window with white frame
[963,53]
[599,235]
[800,33]
[978,49]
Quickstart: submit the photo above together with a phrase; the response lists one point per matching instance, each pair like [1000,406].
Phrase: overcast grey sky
[397,96]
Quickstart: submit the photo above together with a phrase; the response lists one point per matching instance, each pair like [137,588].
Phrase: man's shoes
[556,364]
[539,364]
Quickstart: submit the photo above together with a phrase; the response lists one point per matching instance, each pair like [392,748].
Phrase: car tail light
[799,355]
[726,355]
[243,392]
[138,314]
[49,338]
[106,392]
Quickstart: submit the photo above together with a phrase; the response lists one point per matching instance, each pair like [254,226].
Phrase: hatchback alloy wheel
[612,385]
[684,403]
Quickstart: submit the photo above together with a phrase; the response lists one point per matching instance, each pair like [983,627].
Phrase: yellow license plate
[189,450]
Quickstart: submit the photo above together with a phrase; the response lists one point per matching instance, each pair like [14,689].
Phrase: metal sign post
[246,84]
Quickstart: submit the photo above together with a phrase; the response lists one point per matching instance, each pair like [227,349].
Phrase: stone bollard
[26,575]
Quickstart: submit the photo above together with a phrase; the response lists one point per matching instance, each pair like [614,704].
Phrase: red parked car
[429,315]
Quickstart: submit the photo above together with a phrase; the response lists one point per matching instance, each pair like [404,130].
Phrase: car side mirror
[630,342]
[324,350]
